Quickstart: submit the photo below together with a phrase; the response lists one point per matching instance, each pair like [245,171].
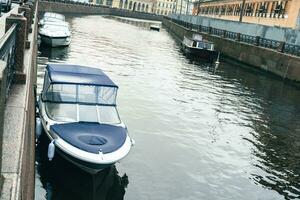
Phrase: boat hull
[55,41]
[91,168]
[200,53]
[85,165]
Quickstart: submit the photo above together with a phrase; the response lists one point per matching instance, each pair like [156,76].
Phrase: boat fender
[51,150]
[38,127]
[132,142]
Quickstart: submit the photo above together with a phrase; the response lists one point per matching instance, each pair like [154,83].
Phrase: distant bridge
[135,9]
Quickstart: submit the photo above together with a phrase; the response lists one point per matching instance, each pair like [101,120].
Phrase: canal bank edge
[283,65]
[18,149]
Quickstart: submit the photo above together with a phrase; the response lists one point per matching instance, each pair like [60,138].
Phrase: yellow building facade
[164,7]
[134,5]
[283,13]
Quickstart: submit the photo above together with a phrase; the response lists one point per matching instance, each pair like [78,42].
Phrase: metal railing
[291,49]
[249,39]
[7,54]
[272,44]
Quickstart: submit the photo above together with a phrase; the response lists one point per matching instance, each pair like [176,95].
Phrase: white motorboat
[54,30]
[78,112]
[55,33]
[51,16]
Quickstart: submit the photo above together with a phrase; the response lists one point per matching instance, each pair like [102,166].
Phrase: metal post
[180,7]
[242,11]
[187,6]
[198,7]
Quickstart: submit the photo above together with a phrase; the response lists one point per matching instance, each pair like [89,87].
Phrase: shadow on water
[64,181]
[57,53]
[276,128]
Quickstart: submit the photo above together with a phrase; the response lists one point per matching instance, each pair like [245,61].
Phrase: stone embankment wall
[283,65]
[288,35]
[17,104]
[68,8]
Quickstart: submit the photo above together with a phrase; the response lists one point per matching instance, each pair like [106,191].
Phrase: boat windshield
[85,103]
[54,16]
[81,94]
[187,41]
[66,112]
[205,45]
[55,25]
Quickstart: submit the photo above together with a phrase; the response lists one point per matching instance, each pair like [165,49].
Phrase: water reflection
[57,53]
[274,119]
[64,181]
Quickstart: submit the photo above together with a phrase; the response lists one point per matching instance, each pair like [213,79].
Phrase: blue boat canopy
[76,74]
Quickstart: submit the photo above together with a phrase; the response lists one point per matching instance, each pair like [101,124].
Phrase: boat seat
[91,137]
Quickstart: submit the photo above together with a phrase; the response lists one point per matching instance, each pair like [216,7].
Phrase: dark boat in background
[155,27]
[199,48]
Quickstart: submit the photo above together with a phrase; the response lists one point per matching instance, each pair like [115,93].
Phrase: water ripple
[201,132]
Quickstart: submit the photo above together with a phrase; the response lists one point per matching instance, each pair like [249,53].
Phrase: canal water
[201,132]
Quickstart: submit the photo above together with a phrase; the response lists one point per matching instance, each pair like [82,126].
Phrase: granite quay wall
[69,7]
[72,8]
[134,14]
[291,36]
[18,51]
[274,61]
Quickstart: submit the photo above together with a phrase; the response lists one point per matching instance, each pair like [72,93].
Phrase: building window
[249,9]
[223,9]
[109,2]
[217,10]
[229,10]
[262,10]
[280,9]
[130,5]
[236,9]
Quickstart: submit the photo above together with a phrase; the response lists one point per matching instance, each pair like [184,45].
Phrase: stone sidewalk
[17,153]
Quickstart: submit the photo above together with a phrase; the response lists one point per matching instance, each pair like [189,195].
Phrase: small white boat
[51,16]
[154,27]
[55,33]
[78,112]
[54,30]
